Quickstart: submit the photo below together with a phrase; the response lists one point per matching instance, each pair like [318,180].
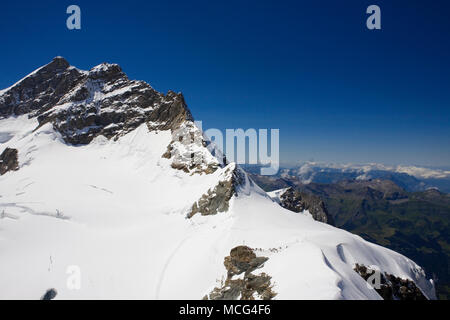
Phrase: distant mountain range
[410,178]
[415,224]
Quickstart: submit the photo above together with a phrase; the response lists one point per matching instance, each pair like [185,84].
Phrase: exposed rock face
[9,160]
[298,201]
[41,90]
[217,199]
[243,261]
[392,287]
[84,104]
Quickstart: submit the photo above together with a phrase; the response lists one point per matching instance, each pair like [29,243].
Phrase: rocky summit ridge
[84,104]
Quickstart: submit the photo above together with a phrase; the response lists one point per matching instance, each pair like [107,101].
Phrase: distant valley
[388,210]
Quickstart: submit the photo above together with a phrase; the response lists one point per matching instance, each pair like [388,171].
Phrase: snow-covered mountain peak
[107,175]
[82,105]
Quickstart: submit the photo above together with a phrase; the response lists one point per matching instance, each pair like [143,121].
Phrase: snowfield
[117,210]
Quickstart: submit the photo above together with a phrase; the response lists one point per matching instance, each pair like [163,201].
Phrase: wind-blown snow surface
[118,211]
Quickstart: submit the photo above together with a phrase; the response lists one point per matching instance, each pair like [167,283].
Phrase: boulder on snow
[9,160]
[297,201]
[243,260]
[217,199]
[50,294]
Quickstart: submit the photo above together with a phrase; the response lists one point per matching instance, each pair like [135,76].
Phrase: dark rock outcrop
[50,294]
[297,201]
[392,287]
[243,261]
[9,160]
[217,199]
[40,90]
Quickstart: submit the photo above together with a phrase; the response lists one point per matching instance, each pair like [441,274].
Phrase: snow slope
[117,210]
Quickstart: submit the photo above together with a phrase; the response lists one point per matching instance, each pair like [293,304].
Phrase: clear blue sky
[337,91]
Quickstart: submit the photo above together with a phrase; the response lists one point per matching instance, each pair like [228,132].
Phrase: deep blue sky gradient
[337,91]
